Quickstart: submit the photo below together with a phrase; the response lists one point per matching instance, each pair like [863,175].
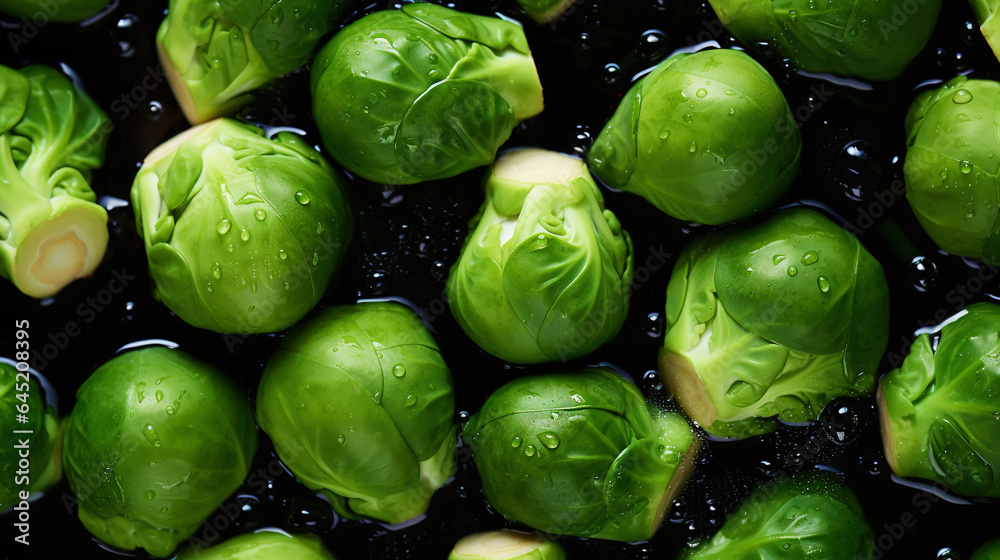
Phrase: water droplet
[732,111]
[171,409]
[286,285]
[810,258]
[549,439]
[151,435]
[244,234]
[399,370]
[824,284]
[217,271]
[793,15]
[223,226]
[260,215]
[665,133]
[970,213]
[150,495]
[966,167]
[529,450]
[702,92]
[792,271]
[140,391]
[341,438]
[777,259]
[159,396]
[411,400]
[688,118]
[210,288]
[320,228]
[516,442]
[729,92]
[282,254]
[302,197]
[962,96]
[852,31]
[315,260]
[944,173]
[693,148]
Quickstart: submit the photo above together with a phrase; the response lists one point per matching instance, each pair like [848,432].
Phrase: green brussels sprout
[939,409]
[20,391]
[156,442]
[51,137]
[810,515]
[545,11]
[422,93]
[989,551]
[506,545]
[772,319]
[263,545]
[546,270]
[242,233]
[705,137]
[359,404]
[986,11]
[860,38]
[580,454]
[952,183]
[62,11]
[216,53]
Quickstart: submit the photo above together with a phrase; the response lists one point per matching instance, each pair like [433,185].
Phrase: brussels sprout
[359,404]
[705,137]
[772,319]
[810,515]
[545,272]
[263,545]
[51,137]
[156,442]
[21,391]
[986,11]
[989,551]
[939,410]
[580,454]
[61,11]
[869,40]
[506,545]
[422,93]
[951,183]
[545,11]
[216,53]
[242,233]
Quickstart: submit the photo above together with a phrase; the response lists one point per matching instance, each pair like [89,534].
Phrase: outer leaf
[868,40]
[13,97]
[43,440]
[989,551]
[938,410]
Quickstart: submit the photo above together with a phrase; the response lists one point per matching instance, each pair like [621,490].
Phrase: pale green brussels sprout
[989,551]
[359,404]
[771,319]
[21,397]
[705,137]
[59,11]
[872,40]
[545,11]
[810,515]
[952,184]
[546,270]
[52,136]
[939,409]
[156,442]
[423,92]
[986,11]
[506,545]
[242,233]
[216,53]
[262,545]
[580,454]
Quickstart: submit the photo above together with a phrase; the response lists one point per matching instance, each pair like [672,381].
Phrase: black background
[408,237]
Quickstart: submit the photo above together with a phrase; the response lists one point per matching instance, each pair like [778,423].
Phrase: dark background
[408,237]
